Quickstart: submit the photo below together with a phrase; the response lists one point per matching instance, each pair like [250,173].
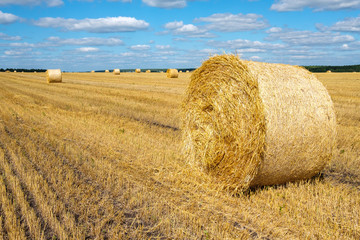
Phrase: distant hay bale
[180,71]
[172,73]
[14,71]
[138,70]
[7,71]
[187,71]
[53,76]
[106,71]
[148,71]
[92,71]
[252,124]
[116,71]
[161,71]
[328,71]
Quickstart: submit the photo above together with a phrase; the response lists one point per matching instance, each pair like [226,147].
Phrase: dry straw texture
[116,71]
[53,75]
[138,70]
[252,124]
[172,73]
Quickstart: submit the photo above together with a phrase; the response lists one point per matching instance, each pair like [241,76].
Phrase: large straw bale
[251,124]
[138,70]
[116,71]
[172,73]
[53,76]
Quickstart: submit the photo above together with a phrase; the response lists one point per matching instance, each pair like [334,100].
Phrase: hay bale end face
[116,71]
[172,73]
[251,124]
[138,70]
[54,76]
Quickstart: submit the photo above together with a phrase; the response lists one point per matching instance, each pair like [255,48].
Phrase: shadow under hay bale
[54,76]
[252,124]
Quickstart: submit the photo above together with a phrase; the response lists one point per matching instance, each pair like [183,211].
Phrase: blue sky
[82,35]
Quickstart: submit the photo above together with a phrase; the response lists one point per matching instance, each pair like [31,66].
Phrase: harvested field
[98,156]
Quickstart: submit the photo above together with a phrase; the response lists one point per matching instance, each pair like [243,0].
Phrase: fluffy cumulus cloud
[140,47]
[88,41]
[307,37]
[94,25]
[188,30]
[7,18]
[49,3]
[6,37]
[347,25]
[227,22]
[318,5]
[166,3]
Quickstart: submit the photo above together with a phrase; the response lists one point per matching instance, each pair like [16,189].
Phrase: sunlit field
[98,157]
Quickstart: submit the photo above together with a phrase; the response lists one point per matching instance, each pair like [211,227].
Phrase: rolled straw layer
[53,76]
[172,73]
[251,124]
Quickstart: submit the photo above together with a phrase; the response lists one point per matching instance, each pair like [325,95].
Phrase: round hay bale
[107,71]
[172,73]
[14,71]
[251,123]
[92,71]
[328,71]
[187,71]
[148,71]
[53,76]
[7,71]
[138,70]
[116,71]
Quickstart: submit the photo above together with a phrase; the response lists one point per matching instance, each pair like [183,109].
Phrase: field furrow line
[42,196]
[135,111]
[12,220]
[35,228]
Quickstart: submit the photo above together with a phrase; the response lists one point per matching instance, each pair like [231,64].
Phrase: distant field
[97,156]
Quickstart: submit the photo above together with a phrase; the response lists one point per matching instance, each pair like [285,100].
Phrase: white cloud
[49,3]
[317,5]
[89,41]
[22,45]
[7,18]
[347,25]
[243,45]
[227,22]
[95,25]
[166,3]
[307,37]
[87,49]
[174,25]
[140,47]
[6,37]
[163,47]
[188,30]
